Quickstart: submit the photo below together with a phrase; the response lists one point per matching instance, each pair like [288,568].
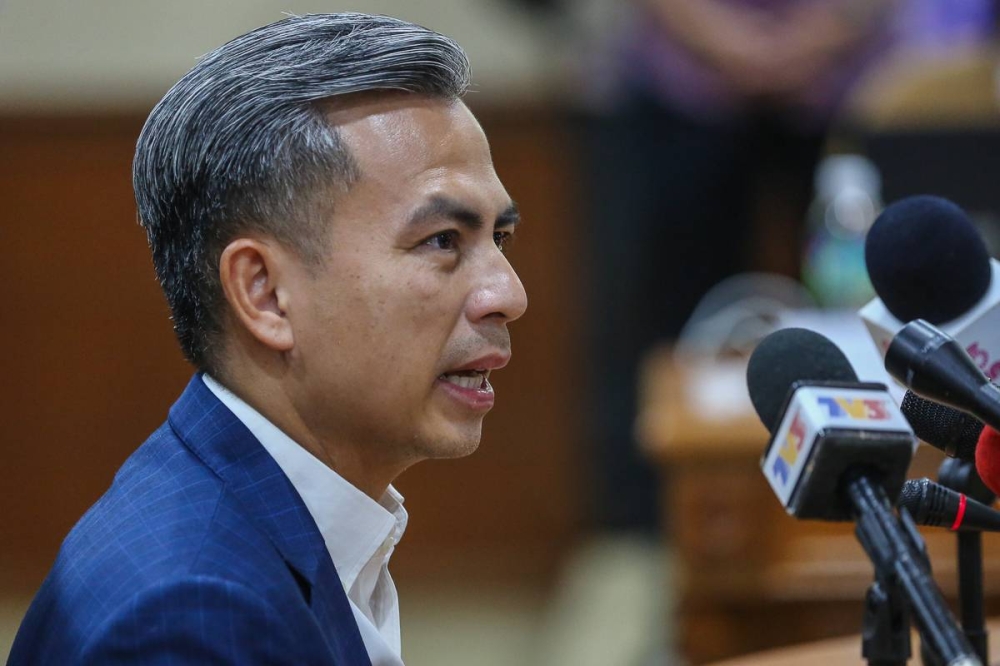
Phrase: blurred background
[692,174]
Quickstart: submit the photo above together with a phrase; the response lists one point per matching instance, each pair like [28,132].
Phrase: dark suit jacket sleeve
[194,620]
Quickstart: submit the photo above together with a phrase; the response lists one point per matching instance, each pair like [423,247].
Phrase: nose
[499,294]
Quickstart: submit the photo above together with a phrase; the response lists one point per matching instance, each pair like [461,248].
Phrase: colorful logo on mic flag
[790,449]
[859,409]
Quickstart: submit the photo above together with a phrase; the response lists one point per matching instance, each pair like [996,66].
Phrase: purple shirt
[649,59]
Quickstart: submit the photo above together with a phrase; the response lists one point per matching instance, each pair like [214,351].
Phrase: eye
[446,240]
[503,240]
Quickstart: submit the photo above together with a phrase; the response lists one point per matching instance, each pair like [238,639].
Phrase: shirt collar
[353,525]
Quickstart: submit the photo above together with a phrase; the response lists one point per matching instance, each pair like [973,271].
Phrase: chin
[456,443]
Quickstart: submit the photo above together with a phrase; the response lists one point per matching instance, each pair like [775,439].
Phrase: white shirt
[359,532]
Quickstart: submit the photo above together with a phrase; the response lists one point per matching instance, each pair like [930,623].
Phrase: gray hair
[241,144]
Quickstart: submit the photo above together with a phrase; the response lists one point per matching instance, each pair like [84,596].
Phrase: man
[328,228]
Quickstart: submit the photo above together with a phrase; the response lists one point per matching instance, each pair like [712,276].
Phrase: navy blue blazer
[200,552]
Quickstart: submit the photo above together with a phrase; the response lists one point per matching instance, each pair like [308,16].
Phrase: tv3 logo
[858,409]
[982,358]
[855,409]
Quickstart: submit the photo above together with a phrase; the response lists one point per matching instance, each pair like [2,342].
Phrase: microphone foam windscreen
[785,357]
[953,431]
[927,260]
[988,459]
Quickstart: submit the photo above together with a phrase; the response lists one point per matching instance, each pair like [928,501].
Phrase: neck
[268,393]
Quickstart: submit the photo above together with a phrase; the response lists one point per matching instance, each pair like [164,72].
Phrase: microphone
[839,450]
[926,260]
[932,504]
[952,431]
[932,364]
[958,435]
[827,427]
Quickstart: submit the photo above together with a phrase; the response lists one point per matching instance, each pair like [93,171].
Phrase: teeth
[478,379]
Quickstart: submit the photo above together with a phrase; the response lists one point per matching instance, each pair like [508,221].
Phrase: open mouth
[469,379]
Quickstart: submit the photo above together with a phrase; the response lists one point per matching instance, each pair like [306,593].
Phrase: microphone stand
[886,625]
[885,635]
[896,553]
[961,476]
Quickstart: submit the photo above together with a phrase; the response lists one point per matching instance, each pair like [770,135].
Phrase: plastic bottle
[848,198]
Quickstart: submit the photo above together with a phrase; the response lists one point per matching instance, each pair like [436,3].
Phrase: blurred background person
[710,118]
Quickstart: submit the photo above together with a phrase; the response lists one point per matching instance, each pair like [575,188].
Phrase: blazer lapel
[224,444]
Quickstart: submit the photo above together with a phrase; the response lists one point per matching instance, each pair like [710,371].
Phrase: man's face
[395,334]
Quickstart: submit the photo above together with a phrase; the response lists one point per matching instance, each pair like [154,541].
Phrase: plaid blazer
[200,552]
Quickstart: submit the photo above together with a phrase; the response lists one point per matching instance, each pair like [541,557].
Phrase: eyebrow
[448,208]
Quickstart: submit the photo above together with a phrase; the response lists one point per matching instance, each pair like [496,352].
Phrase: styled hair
[241,144]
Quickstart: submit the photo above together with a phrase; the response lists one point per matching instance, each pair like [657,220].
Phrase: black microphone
[959,436]
[927,260]
[839,450]
[952,431]
[932,364]
[932,504]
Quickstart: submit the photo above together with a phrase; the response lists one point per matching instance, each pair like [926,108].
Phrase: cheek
[427,304]
[401,323]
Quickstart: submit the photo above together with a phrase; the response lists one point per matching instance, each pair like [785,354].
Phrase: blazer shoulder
[169,514]
[157,512]
[202,508]
[166,518]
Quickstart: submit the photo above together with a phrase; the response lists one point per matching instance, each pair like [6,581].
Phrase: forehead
[405,143]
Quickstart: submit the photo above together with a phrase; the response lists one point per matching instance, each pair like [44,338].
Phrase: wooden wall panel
[91,364]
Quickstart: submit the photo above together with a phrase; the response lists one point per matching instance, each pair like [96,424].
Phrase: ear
[249,270]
